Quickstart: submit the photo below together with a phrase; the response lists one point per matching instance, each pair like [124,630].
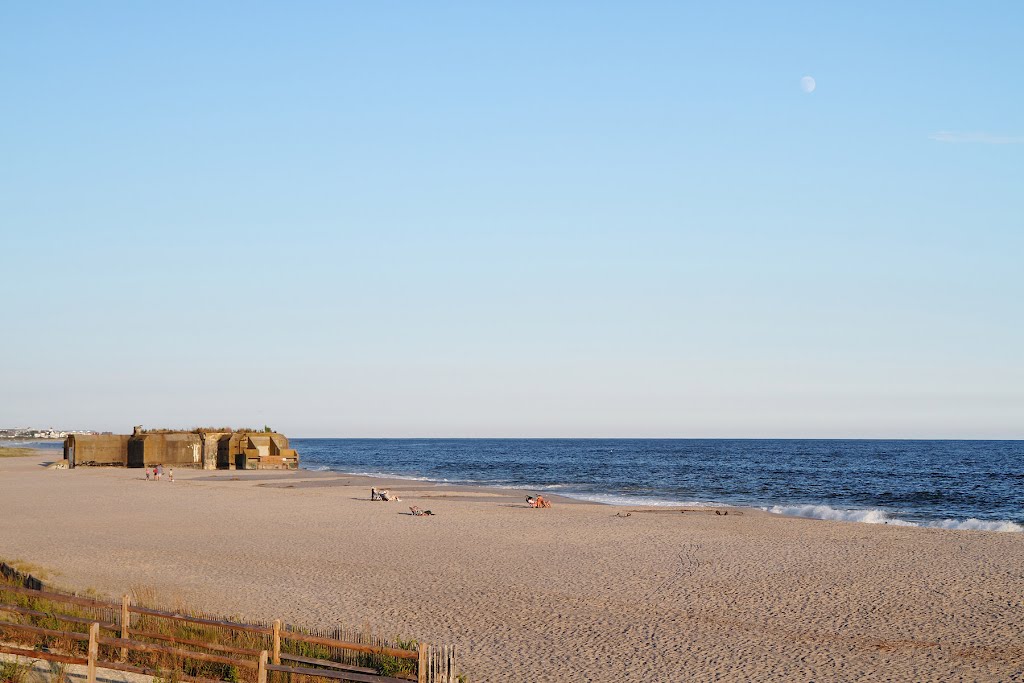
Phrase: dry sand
[573,593]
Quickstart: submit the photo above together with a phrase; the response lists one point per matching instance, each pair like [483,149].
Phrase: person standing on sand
[170,474]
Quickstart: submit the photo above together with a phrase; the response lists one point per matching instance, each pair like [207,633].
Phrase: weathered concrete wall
[225,459]
[207,450]
[96,449]
[211,440]
[183,449]
[256,450]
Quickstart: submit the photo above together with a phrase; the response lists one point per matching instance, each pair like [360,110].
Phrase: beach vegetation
[386,665]
[18,452]
[14,672]
[38,571]
[265,429]
[57,615]
[394,666]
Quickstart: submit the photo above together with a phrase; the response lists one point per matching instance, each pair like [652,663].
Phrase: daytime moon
[808,84]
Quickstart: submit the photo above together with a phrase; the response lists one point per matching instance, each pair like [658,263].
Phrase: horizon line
[660,438]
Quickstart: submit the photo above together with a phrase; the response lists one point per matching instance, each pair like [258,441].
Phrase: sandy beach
[579,592]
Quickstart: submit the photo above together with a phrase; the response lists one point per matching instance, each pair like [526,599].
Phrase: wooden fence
[342,654]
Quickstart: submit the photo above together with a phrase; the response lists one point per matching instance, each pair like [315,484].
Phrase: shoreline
[818,511]
[578,592]
[793,509]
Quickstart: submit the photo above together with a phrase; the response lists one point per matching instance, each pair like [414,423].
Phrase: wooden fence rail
[156,673]
[177,652]
[93,662]
[174,616]
[327,663]
[61,597]
[37,654]
[46,632]
[196,643]
[336,675]
[24,611]
[355,647]
[434,664]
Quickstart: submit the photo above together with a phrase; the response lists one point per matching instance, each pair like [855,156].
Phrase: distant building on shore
[32,433]
[208,449]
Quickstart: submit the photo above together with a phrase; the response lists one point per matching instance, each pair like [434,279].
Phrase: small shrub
[14,672]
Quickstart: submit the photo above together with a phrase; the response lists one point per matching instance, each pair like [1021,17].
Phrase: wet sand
[579,592]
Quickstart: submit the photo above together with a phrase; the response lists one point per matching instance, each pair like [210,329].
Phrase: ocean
[975,485]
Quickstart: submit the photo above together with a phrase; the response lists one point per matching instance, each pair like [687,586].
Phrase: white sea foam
[973,524]
[389,475]
[865,516]
[634,501]
[877,516]
[374,475]
[830,513]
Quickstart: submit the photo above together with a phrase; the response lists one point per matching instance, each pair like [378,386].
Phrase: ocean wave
[825,512]
[386,475]
[877,516]
[973,524]
[874,516]
[40,445]
[634,501]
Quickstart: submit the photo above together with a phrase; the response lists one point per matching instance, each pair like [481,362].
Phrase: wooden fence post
[125,620]
[421,676]
[261,671]
[94,651]
[276,654]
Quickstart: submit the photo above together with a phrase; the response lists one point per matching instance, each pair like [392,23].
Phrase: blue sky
[541,219]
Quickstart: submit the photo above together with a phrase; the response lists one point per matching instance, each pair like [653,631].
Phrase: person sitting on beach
[538,502]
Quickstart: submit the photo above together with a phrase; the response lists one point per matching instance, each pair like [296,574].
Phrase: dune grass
[14,672]
[25,567]
[171,666]
[17,451]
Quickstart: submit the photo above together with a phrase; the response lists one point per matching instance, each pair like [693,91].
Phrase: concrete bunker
[198,448]
[96,449]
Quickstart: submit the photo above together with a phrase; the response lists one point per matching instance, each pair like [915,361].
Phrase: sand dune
[574,593]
